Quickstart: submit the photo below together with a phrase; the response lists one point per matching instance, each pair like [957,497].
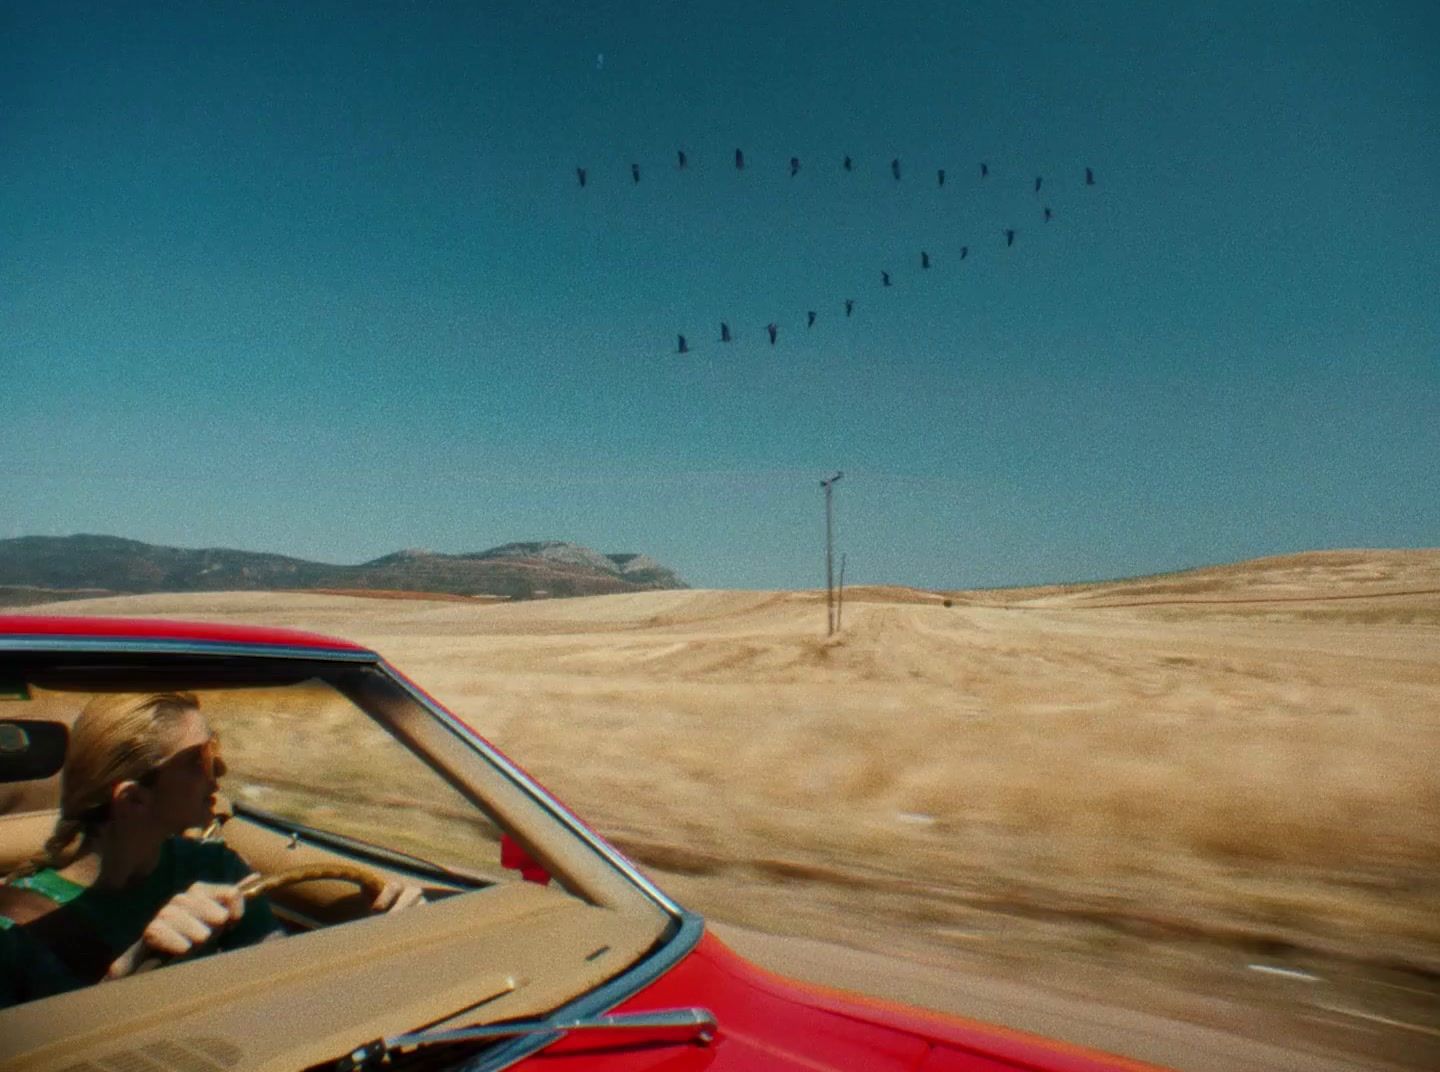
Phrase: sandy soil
[1168,792]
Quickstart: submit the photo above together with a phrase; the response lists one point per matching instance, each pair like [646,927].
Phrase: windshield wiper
[660,1025]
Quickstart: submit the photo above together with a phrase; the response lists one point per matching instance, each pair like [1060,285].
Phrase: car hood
[767,1023]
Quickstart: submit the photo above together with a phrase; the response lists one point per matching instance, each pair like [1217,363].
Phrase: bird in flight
[924,259]
[810,319]
[940,177]
[739,160]
[773,329]
[683,348]
[683,162]
[884,279]
[635,172]
[580,174]
[895,168]
[794,166]
[724,331]
[1009,237]
[849,306]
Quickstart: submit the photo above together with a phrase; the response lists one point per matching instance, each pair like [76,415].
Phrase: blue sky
[318,279]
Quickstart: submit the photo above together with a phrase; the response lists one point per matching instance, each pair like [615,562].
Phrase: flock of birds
[772,329]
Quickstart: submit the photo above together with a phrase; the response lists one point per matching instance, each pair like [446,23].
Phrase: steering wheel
[371,883]
[255,886]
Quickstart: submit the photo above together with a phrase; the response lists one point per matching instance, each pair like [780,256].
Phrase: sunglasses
[203,759]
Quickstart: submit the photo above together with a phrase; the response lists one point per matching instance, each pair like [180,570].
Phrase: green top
[28,970]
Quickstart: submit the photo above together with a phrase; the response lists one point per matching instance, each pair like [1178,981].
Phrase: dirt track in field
[1137,789]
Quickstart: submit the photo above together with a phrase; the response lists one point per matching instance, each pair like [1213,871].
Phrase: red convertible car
[534,943]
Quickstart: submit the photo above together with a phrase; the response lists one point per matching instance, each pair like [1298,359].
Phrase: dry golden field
[1120,782]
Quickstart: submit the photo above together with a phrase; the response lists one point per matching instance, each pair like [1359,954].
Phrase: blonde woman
[117,884]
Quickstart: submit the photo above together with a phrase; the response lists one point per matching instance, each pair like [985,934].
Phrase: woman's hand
[395,897]
[186,922]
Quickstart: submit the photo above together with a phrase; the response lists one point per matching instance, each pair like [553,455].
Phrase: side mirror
[514,857]
[31,749]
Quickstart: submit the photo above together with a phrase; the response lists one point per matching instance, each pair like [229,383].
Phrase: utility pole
[830,555]
[840,593]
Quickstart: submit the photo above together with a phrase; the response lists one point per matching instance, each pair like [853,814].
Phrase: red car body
[766,1022]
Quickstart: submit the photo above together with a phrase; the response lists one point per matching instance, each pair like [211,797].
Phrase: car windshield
[409,798]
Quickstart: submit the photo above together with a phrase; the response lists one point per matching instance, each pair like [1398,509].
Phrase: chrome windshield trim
[600,1000]
[19,642]
[537,792]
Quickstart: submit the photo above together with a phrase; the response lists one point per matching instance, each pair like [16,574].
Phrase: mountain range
[38,569]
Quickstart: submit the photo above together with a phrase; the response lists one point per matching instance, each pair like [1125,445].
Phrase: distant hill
[37,569]
[1305,576]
